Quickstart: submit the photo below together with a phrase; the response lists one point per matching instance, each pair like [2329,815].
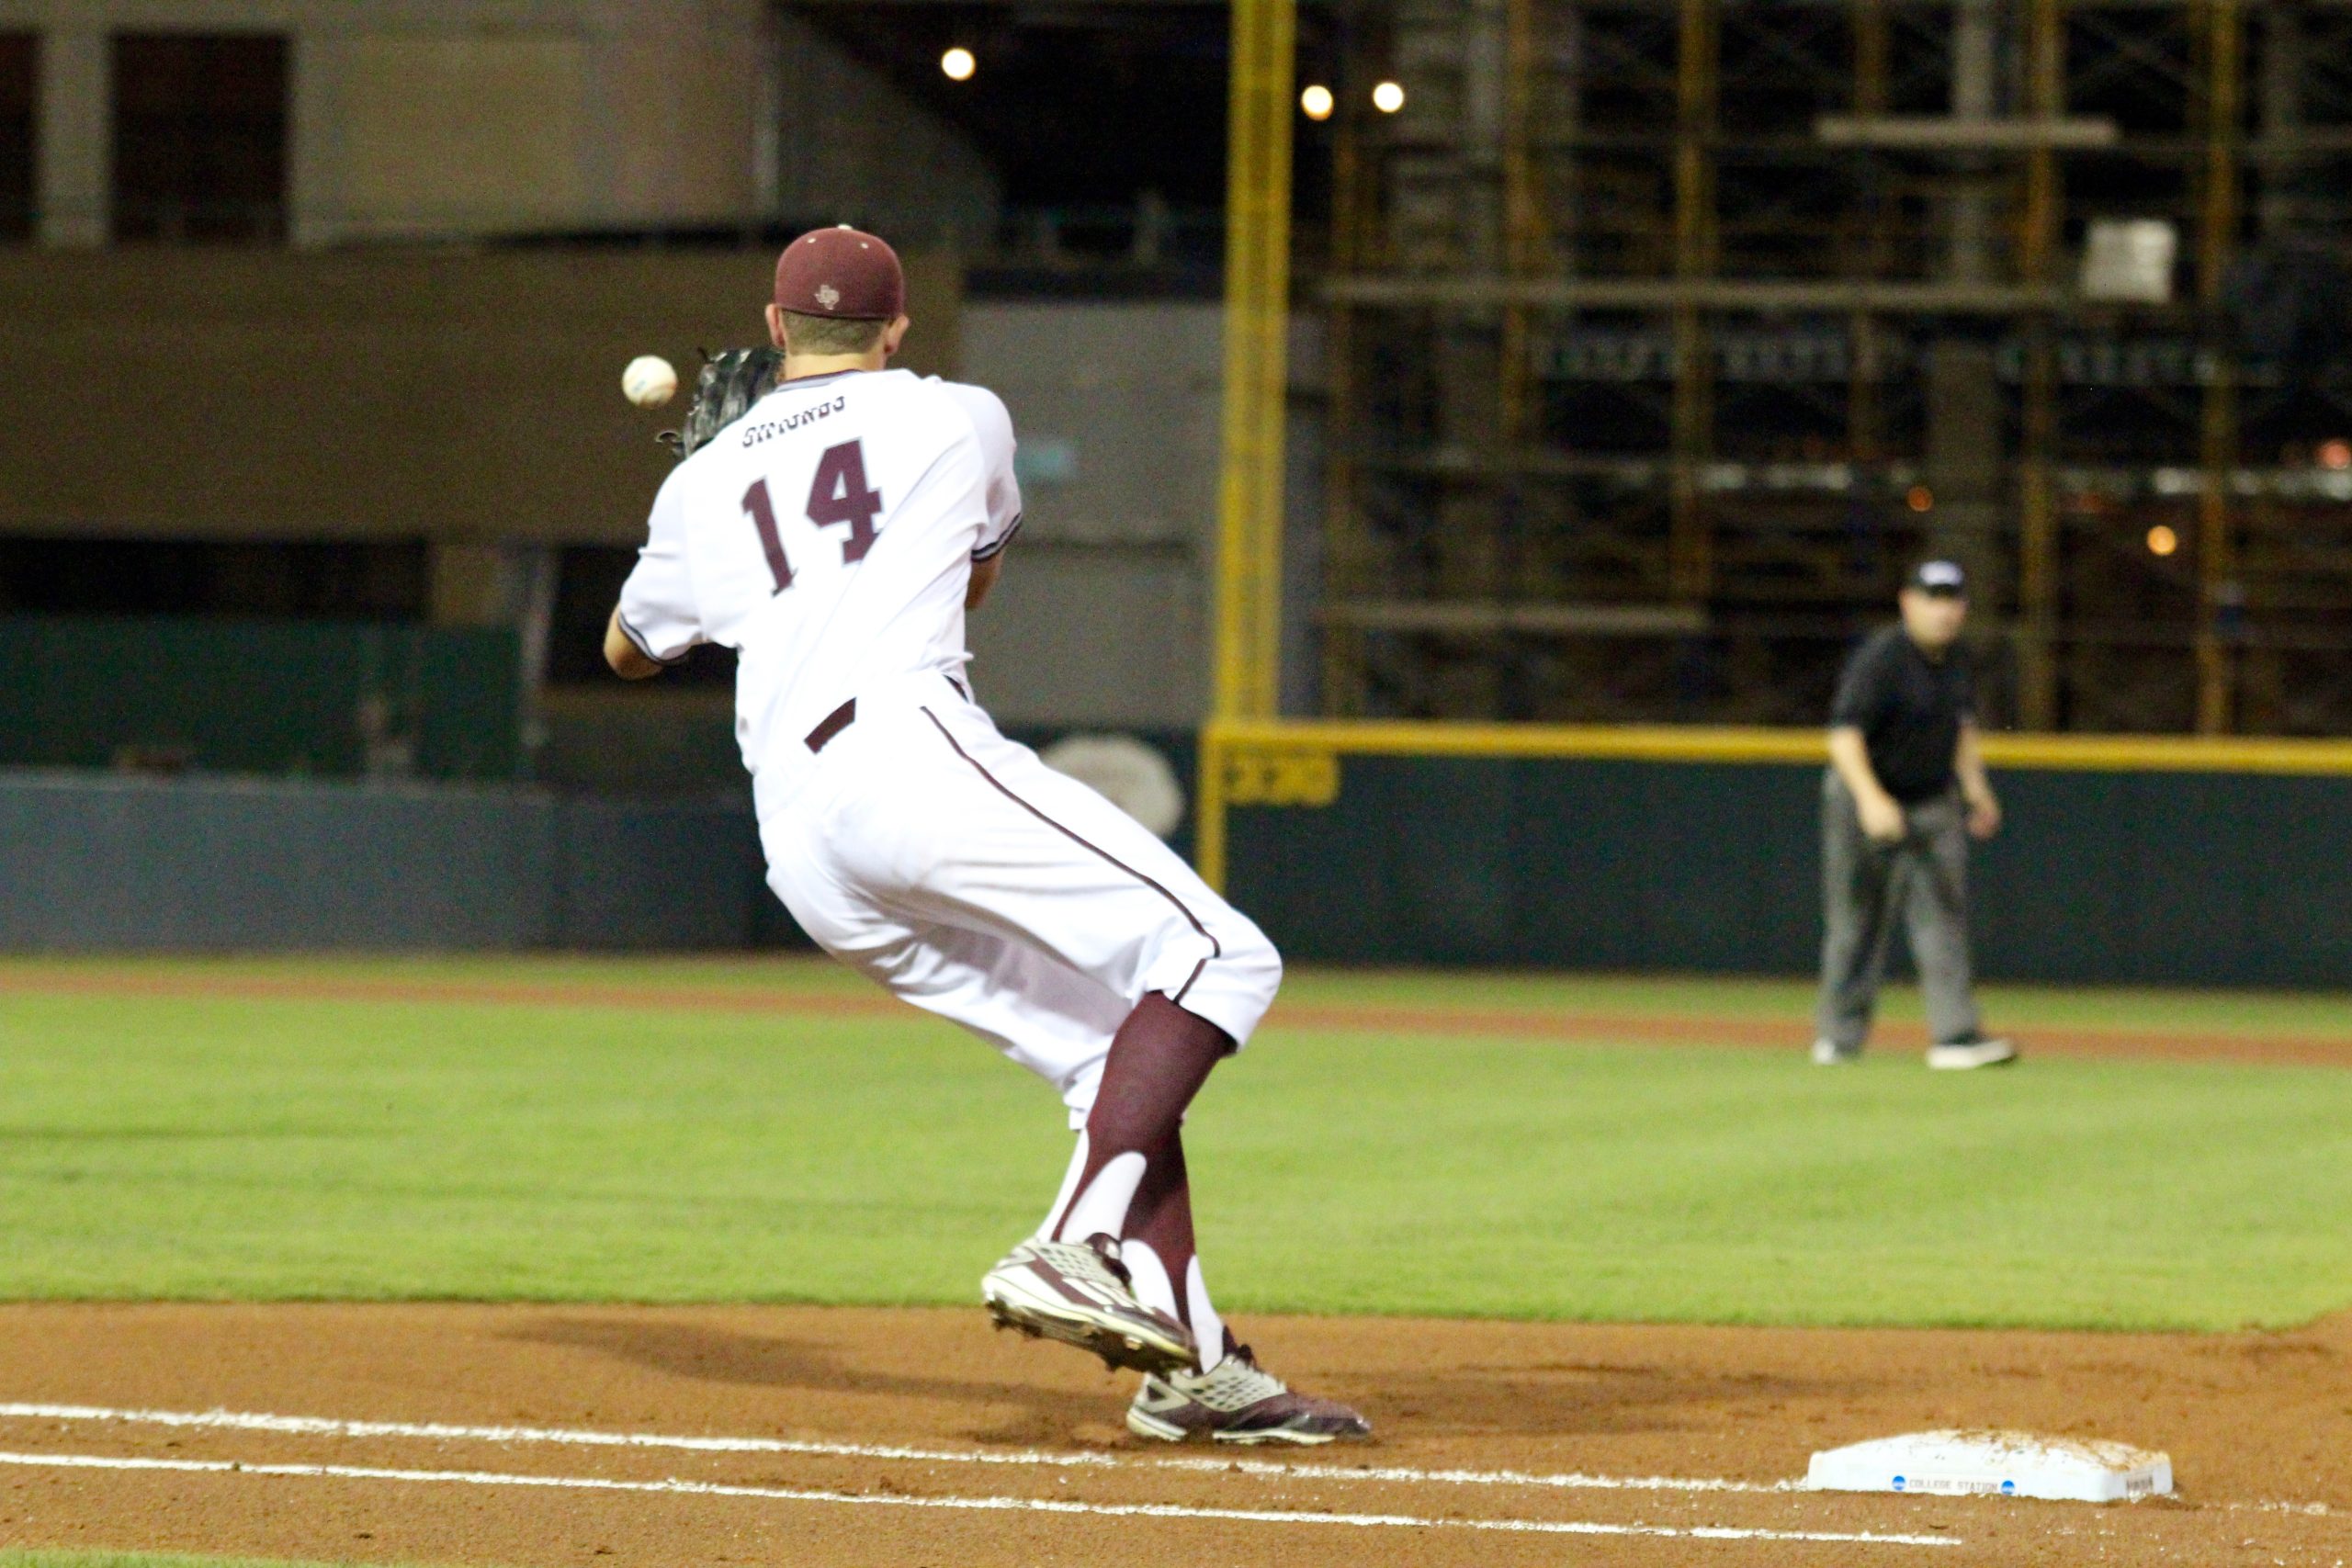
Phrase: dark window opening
[190,577]
[1106,123]
[19,98]
[200,138]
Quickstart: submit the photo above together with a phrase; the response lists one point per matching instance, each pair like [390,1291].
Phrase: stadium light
[1316,102]
[1388,97]
[959,64]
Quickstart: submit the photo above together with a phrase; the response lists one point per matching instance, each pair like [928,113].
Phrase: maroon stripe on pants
[1217,949]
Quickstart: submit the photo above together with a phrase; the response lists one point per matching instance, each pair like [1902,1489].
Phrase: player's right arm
[993,425]
[656,623]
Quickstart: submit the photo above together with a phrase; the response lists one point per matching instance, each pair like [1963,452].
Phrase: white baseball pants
[922,847]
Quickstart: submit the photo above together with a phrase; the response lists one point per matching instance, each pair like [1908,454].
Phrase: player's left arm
[993,425]
[1976,788]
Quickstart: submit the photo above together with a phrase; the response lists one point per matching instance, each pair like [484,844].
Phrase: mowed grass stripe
[173,1147]
[2253,1027]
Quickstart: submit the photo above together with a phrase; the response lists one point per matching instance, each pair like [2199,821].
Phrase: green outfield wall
[2124,874]
[91,863]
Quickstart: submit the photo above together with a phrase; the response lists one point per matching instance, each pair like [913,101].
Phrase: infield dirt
[2259,1427]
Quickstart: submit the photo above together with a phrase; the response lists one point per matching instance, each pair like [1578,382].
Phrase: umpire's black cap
[1943,578]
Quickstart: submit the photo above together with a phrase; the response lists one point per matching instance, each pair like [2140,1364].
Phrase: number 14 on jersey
[838,497]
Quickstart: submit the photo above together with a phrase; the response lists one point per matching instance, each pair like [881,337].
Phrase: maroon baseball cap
[844,273]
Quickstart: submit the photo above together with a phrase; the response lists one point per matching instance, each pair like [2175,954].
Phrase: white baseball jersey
[827,537]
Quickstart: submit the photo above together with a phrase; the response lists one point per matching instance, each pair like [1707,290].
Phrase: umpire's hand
[1984,814]
[1883,818]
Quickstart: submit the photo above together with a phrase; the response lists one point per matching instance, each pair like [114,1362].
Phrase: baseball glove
[732,381]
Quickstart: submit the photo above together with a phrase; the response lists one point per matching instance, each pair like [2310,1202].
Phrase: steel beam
[1257,324]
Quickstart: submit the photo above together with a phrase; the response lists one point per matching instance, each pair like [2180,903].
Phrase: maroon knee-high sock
[1159,1060]
[1161,1217]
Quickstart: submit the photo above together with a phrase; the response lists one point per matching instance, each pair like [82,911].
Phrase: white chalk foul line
[973,1505]
[315,1425]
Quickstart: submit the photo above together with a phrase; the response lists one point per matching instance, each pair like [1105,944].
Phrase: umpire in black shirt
[1904,792]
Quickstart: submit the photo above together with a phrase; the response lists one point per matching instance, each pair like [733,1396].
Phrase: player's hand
[1983,815]
[1882,819]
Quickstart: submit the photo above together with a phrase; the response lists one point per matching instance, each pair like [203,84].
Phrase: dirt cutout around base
[917,1437]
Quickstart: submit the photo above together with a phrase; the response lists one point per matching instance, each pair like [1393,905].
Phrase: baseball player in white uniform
[835,537]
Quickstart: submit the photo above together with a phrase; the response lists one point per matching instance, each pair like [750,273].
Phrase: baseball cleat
[1830,1053]
[1959,1056]
[1079,1294]
[1237,1402]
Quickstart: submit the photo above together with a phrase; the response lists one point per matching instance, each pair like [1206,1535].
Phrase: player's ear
[775,327]
[893,335]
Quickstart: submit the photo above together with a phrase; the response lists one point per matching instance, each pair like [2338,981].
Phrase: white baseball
[649,381]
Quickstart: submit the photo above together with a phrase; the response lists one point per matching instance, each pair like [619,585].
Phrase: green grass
[279,1148]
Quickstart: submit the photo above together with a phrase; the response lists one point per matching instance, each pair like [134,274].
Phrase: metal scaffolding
[1661,334]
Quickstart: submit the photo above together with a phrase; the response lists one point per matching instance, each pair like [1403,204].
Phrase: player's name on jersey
[755,434]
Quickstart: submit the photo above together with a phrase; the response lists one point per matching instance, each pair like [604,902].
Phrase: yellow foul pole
[1257,323]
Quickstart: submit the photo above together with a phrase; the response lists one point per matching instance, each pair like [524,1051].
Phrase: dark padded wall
[2160,878]
[2132,877]
[2116,878]
[91,863]
[651,873]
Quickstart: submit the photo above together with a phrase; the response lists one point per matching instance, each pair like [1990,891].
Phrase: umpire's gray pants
[1864,886]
